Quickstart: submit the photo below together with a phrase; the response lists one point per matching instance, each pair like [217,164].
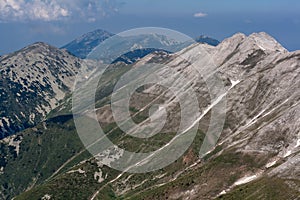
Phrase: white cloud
[53,10]
[200,14]
[47,10]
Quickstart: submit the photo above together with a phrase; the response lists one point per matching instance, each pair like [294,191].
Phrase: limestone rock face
[33,81]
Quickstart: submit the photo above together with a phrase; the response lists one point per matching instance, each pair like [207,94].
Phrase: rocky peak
[99,33]
[265,42]
[84,44]
[33,81]
[233,41]
[38,47]
[246,50]
[254,41]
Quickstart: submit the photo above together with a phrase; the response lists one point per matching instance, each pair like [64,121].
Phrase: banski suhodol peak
[140,100]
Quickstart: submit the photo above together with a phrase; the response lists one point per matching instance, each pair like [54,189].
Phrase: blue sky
[57,22]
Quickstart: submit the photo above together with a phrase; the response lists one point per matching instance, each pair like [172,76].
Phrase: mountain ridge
[258,148]
[84,44]
[34,79]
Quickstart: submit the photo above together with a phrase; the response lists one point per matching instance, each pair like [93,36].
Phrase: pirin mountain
[256,156]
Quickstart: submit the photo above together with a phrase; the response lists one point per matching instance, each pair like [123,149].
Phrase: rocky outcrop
[33,81]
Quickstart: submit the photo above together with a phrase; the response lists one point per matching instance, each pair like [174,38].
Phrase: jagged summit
[239,47]
[259,40]
[266,42]
[236,38]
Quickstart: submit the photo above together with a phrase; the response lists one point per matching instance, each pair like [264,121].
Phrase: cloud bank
[55,10]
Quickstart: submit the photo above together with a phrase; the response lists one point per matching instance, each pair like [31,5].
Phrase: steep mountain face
[33,81]
[83,45]
[256,156]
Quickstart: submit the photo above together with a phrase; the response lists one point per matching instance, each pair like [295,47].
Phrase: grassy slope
[42,152]
[229,166]
[266,188]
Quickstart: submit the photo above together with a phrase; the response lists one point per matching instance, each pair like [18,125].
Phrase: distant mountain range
[85,44]
[207,40]
[256,157]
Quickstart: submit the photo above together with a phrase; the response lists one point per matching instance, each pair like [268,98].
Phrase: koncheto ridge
[257,155]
